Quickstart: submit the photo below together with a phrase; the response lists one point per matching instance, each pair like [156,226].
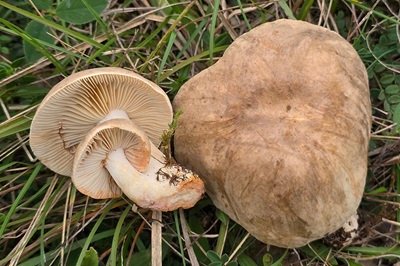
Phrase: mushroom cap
[79,102]
[89,173]
[279,128]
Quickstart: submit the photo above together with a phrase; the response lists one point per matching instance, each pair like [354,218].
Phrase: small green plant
[384,81]
[216,260]
[91,258]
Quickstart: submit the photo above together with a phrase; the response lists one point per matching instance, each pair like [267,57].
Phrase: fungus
[279,128]
[102,127]
[84,99]
[117,150]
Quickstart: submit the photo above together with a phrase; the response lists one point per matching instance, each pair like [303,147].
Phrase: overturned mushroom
[117,150]
[81,101]
[101,127]
[279,130]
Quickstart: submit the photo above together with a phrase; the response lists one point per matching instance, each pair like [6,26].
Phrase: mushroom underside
[116,156]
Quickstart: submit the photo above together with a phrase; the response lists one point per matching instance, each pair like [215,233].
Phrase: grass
[45,221]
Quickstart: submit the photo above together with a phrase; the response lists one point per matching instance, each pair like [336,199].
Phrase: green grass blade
[166,35]
[93,232]
[189,61]
[192,37]
[35,196]
[100,51]
[51,24]
[13,126]
[96,15]
[34,42]
[53,253]
[6,166]
[178,231]
[376,251]
[153,34]
[21,194]
[166,54]
[373,11]
[246,21]
[286,9]
[397,171]
[42,250]
[52,46]
[305,9]
[280,261]
[319,251]
[223,232]
[114,246]
[39,217]
[212,28]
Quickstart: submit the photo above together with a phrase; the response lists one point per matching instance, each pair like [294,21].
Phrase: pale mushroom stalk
[135,166]
[115,114]
[160,187]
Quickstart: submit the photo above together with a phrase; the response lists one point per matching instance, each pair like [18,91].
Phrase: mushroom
[84,99]
[278,129]
[138,168]
[102,127]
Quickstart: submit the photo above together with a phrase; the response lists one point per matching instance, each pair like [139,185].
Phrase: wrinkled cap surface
[79,102]
[89,173]
[278,129]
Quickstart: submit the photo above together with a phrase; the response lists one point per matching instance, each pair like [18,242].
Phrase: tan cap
[79,102]
[279,130]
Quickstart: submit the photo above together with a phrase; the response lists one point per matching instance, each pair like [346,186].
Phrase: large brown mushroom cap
[79,102]
[279,128]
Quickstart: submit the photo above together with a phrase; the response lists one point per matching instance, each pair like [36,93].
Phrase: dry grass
[45,221]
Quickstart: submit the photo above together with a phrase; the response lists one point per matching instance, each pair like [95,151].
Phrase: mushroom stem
[162,186]
[115,114]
